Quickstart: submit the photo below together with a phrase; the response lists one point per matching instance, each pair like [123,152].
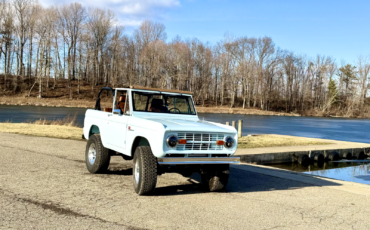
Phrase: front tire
[144,171]
[215,177]
[97,156]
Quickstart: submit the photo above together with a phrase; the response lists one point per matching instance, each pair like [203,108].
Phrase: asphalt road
[44,184]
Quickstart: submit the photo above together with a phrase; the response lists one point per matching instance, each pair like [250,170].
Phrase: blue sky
[334,28]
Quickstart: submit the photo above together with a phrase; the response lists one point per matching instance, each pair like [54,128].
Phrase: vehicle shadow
[194,186]
[119,167]
[247,179]
[114,171]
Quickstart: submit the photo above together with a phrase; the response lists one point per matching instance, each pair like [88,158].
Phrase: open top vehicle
[160,131]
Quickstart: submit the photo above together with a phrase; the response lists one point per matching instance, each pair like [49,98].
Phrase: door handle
[109,115]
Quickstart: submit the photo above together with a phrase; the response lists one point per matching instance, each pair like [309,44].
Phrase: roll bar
[97,104]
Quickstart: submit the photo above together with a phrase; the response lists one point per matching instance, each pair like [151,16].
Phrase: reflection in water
[355,171]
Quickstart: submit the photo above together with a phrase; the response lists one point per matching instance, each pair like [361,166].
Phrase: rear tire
[97,156]
[215,177]
[144,171]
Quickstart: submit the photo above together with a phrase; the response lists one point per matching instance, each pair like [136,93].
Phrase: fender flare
[139,141]
[94,129]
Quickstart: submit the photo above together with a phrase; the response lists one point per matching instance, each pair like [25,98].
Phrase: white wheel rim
[92,153]
[137,172]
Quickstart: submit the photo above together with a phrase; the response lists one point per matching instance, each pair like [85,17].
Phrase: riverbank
[81,103]
[67,130]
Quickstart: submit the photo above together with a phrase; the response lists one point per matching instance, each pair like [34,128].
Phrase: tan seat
[109,110]
[121,103]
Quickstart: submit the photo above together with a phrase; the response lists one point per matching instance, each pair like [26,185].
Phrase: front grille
[200,141]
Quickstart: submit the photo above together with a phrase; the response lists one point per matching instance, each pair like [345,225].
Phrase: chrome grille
[200,141]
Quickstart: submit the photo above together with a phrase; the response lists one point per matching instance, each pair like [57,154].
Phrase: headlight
[229,142]
[172,141]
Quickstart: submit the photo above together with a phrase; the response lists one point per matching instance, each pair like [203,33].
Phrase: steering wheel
[174,109]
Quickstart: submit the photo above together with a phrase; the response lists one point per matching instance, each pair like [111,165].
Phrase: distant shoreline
[76,103]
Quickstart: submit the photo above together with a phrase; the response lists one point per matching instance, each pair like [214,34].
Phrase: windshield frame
[189,100]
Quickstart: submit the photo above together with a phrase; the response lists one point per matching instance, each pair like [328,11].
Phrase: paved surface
[335,145]
[44,184]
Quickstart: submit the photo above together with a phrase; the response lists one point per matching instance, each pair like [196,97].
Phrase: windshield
[162,103]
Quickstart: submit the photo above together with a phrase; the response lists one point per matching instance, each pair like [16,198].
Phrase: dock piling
[240,125]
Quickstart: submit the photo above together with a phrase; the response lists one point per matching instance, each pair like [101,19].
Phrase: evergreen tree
[333,92]
[348,74]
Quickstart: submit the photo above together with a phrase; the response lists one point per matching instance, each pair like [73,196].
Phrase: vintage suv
[160,131]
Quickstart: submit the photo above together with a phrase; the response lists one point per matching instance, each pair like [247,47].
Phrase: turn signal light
[182,141]
[220,142]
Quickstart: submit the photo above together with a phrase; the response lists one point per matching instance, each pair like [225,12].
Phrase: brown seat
[157,106]
[109,110]
[121,103]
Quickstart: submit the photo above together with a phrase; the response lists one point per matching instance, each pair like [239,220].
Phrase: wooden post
[240,127]
[234,124]
[227,123]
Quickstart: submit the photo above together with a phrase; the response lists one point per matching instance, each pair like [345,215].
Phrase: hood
[193,125]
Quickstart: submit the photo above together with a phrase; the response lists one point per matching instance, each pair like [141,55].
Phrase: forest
[41,46]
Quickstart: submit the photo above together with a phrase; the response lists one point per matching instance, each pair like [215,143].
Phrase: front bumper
[198,160]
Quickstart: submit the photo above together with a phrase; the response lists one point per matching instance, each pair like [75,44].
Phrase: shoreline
[76,103]
[68,130]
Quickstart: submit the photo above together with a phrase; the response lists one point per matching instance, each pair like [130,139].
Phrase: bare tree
[70,22]
[73,43]
[363,77]
[23,9]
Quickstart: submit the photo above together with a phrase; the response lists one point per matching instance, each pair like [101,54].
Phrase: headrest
[122,98]
[157,102]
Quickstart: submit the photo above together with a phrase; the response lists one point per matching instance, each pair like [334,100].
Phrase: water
[353,171]
[356,130]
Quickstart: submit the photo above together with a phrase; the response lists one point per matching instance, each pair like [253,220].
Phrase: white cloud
[128,12]
[132,23]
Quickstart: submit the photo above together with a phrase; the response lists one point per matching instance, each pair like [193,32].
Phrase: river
[356,130]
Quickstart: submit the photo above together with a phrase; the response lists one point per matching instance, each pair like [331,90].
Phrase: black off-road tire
[102,156]
[145,168]
[215,177]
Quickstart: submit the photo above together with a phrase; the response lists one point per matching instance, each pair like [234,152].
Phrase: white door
[118,126]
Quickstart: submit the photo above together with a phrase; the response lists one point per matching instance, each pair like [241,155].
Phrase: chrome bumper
[198,160]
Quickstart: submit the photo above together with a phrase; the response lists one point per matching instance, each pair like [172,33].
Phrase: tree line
[74,43]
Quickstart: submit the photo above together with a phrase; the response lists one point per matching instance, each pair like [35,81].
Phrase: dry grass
[52,102]
[65,129]
[62,128]
[272,140]
[56,131]
[226,109]
[67,121]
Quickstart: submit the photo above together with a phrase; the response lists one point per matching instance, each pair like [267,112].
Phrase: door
[118,121]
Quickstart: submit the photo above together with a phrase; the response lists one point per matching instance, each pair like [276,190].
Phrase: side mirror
[117,111]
